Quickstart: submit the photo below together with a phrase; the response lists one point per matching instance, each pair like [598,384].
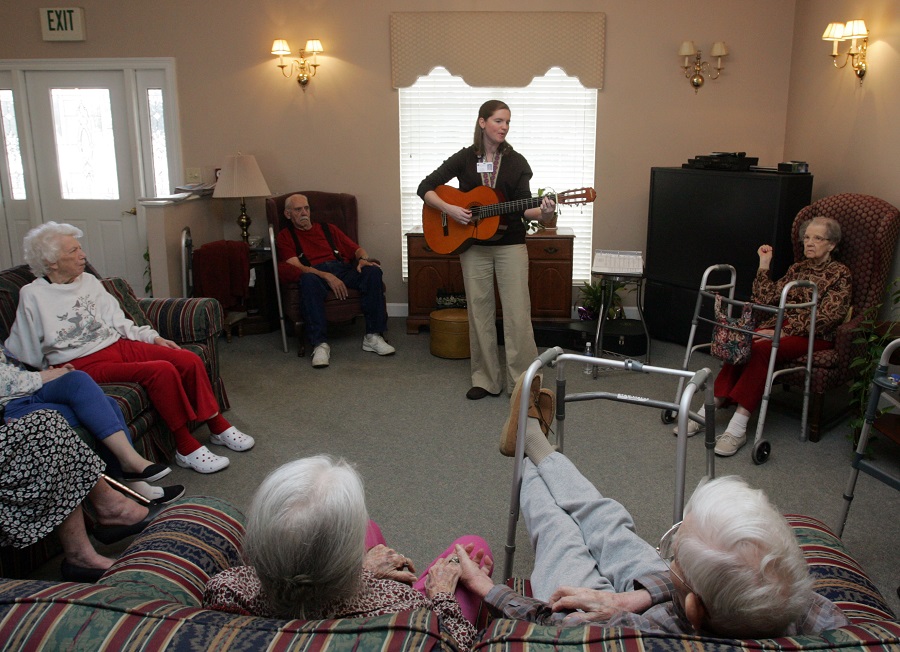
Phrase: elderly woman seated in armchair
[66,316]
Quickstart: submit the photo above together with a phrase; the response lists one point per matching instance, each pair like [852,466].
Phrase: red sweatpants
[745,384]
[175,379]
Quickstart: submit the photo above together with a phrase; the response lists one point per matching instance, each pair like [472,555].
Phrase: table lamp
[240,177]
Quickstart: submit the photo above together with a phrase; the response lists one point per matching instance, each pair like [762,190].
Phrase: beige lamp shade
[687,49]
[834,32]
[241,177]
[281,47]
[855,29]
[718,49]
[313,46]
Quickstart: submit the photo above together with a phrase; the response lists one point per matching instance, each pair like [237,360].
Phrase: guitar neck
[506,207]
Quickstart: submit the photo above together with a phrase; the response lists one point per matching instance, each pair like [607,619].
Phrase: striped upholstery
[150,600]
[194,323]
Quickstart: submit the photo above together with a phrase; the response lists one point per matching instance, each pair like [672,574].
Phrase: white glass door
[83,147]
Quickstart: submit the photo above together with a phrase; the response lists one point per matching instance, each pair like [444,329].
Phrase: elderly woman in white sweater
[67,316]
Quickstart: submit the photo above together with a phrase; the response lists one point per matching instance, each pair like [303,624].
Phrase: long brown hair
[488,109]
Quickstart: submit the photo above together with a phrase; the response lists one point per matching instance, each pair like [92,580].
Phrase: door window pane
[85,144]
[158,141]
[11,139]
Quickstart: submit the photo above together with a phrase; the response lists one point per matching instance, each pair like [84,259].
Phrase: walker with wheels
[761,448]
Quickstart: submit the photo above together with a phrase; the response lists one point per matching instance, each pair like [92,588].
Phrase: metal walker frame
[761,448]
[555,357]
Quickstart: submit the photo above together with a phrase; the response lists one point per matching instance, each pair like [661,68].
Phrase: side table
[261,306]
[609,281]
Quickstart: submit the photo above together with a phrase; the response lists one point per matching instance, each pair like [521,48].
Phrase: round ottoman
[450,333]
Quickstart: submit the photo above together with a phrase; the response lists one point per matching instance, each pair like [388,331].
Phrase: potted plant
[593,298]
[872,336]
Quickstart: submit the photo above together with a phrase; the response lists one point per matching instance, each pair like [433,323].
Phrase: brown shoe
[541,406]
[544,408]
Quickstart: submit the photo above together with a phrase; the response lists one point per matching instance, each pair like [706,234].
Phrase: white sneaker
[202,461]
[727,444]
[375,342]
[692,429]
[321,356]
[234,439]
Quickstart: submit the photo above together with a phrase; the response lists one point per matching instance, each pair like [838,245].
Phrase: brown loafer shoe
[536,399]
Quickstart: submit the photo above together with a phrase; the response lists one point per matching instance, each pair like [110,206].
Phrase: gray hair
[306,535]
[42,245]
[832,228]
[740,556]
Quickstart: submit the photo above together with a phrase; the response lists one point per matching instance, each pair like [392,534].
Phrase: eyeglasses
[814,238]
[666,552]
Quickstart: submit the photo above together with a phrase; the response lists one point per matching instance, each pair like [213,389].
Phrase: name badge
[484,166]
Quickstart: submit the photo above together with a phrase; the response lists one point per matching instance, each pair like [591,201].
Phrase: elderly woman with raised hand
[47,472]
[743,385]
[312,553]
[77,397]
[67,316]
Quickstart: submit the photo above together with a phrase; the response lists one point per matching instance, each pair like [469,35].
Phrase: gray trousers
[579,537]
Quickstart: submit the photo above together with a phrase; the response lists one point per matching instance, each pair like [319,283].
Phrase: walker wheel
[668,416]
[761,451]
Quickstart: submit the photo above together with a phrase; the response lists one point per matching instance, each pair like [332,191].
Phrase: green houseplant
[593,297]
[871,336]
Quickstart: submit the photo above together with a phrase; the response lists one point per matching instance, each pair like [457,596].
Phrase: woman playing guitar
[491,161]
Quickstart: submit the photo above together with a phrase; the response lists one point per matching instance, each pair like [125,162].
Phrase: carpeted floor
[430,457]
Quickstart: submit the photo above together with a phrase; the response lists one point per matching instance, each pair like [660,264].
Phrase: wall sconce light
[853,31]
[306,69]
[695,71]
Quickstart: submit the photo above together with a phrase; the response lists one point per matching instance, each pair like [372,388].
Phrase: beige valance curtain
[493,48]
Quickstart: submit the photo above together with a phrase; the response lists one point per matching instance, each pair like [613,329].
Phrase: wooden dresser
[549,277]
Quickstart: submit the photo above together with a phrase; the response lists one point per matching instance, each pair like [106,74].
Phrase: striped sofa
[195,324]
[150,600]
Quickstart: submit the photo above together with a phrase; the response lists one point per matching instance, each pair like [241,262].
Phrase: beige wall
[850,134]
[342,133]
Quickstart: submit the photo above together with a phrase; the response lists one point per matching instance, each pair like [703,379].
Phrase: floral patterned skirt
[46,471]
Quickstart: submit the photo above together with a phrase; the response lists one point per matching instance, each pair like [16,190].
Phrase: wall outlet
[192,175]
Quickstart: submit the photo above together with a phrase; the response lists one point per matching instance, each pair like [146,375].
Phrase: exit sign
[62,23]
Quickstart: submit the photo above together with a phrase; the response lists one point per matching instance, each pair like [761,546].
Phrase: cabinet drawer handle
[551,250]
[427,248]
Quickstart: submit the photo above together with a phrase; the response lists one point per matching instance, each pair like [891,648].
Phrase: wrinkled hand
[336,285]
[596,605]
[169,344]
[765,253]
[387,563]
[764,331]
[365,263]
[52,373]
[475,569]
[442,577]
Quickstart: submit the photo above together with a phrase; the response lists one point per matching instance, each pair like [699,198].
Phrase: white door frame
[138,133]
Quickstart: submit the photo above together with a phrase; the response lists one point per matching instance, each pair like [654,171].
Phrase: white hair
[740,556]
[306,535]
[42,245]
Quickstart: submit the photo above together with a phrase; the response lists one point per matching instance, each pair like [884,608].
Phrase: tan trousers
[480,265]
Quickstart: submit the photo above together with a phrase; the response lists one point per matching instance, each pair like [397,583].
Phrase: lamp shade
[718,49]
[834,32]
[855,29]
[281,47]
[687,49]
[241,177]
[313,46]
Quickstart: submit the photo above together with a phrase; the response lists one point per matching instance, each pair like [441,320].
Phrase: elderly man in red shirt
[326,259]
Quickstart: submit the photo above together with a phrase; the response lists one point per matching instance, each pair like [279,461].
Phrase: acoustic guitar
[447,236]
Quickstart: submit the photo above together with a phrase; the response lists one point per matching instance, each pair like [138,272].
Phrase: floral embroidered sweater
[59,322]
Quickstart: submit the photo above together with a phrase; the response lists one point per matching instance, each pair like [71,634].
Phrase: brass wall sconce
[305,69]
[695,70]
[854,31]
